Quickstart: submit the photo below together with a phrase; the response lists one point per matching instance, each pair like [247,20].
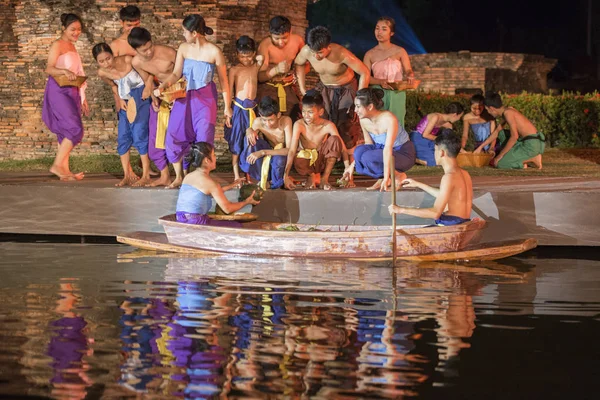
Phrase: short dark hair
[268,106]
[198,152]
[245,44]
[454,108]
[279,25]
[477,99]
[318,38]
[390,22]
[100,48]
[130,13]
[449,141]
[195,23]
[371,96]
[493,99]
[139,37]
[312,98]
[68,18]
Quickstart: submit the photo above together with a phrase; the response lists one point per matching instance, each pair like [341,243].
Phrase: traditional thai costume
[369,157]
[243,116]
[524,149]
[481,132]
[313,161]
[424,148]
[193,119]
[390,70]
[286,92]
[133,133]
[193,206]
[449,220]
[61,107]
[339,108]
[267,168]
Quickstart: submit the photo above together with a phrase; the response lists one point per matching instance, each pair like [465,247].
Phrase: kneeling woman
[383,137]
[198,190]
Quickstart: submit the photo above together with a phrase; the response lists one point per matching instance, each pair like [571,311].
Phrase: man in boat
[154,62]
[524,145]
[320,145]
[276,77]
[336,67]
[455,195]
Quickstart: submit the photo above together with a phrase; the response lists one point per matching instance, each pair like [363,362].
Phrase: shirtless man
[130,17]
[525,143]
[276,77]
[276,129]
[336,67]
[154,61]
[455,195]
[321,145]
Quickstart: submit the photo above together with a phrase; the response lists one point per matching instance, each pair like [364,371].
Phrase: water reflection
[92,325]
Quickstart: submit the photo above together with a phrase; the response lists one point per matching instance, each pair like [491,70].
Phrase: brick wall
[30,26]
[507,72]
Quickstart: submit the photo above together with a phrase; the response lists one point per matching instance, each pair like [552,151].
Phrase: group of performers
[354,114]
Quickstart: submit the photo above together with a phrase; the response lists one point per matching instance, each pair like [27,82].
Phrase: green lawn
[557,162]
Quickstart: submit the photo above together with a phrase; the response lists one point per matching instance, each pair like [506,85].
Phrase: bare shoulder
[468,117]
[297,40]
[400,51]
[285,121]
[264,44]
[299,125]
[331,128]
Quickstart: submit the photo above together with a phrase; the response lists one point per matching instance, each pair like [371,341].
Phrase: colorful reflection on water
[102,322]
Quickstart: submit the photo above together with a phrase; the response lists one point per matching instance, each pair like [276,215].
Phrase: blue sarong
[449,220]
[277,166]
[236,135]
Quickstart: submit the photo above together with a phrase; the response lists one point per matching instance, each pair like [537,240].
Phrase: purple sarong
[240,121]
[369,158]
[61,111]
[158,156]
[203,219]
[192,120]
[277,166]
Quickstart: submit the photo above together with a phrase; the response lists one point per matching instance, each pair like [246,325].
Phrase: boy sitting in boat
[455,195]
[321,145]
[198,190]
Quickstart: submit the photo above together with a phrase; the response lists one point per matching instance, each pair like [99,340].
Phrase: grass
[557,162]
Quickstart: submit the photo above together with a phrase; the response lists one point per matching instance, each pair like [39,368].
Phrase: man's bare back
[521,123]
[460,200]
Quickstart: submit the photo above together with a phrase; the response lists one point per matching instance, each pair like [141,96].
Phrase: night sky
[556,29]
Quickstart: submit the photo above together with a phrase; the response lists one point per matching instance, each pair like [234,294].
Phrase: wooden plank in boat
[482,252]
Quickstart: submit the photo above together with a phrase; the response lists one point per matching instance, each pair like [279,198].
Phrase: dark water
[96,322]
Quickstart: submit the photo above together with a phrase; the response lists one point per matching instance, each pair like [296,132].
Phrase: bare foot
[78,176]
[350,184]
[128,180]
[144,181]
[376,186]
[175,184]
[420,162]
[310,182]
[400,177]
[59,172]
[537,161]
[162,181]
[324,186]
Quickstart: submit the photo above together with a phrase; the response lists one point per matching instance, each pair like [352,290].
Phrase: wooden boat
[322,241]
[151,242]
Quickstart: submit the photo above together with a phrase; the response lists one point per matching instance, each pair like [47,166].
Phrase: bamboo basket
[474,160]
[64,81]
[176,91]
[404,85]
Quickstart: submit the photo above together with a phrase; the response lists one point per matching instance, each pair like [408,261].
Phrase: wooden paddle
[393,173]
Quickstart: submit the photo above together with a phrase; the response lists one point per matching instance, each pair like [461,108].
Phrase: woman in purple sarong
[63,105]
[383,138]
[194,120]
[198,190]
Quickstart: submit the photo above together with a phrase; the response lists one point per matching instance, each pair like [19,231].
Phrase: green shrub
[567,120]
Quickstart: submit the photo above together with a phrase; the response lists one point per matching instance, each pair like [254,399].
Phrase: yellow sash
[250,110]
[281,94]
[164,112]
[309,154]
[264,171]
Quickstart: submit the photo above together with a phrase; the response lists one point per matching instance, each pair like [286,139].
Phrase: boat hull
[329,241]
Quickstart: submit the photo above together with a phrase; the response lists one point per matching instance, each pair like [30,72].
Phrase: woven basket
[474,160]
[177,91]
[404,85]
[64,81]
[246,217]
